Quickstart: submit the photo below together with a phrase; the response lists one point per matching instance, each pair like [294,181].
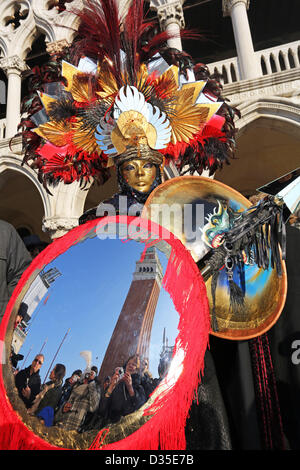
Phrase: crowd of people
[82,402]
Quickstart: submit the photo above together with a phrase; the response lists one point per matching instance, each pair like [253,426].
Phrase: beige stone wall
[268,138]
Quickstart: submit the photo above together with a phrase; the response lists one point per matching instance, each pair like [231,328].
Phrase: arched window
[232,73]
[281,61]
[38,56]
[263,66]
[291,59]
[224,74]
[272,64]
[3,93]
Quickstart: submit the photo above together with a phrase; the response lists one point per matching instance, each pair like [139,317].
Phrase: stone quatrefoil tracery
[19,13]
[60,5]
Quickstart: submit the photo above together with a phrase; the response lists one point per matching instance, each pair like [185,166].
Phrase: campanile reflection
[132,332]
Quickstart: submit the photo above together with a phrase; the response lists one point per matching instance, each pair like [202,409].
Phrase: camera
[120,372]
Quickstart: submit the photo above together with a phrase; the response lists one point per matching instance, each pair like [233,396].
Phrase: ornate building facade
[263,82]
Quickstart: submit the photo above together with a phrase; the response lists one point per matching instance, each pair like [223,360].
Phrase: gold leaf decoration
[212,108]
[197,87]
[188,118]
[174,70]
[151,135]
[106,82]
[118,140]
[143,84]
[132,124]
[46,100]
[84,139]
[55,132]
[167,83]
[82,88]
[68,71]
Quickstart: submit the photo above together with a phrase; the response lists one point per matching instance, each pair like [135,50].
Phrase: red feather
[99,31]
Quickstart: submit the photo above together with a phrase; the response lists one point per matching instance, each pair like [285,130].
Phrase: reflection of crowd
[82,403]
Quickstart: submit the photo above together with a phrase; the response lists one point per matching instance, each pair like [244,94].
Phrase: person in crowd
[96,420]
[162,370]
[68,387]
[146,377]
[28,381]
[84,398]
[46,401]
[21,315]
[124,395]
[106,383]
[34,245]
[14,260]
[90,416]
[93,373]
[14,359]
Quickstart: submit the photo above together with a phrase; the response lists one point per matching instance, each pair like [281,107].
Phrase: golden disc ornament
[198,210]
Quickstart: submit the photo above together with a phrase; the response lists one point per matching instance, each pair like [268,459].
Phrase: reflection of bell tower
[133,329]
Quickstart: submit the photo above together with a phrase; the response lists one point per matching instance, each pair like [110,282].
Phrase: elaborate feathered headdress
[128,93]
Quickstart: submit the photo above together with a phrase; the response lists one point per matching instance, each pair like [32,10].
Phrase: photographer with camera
[125,393]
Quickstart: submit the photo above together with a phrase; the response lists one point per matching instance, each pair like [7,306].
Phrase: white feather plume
[130,99]
[87,356]
[159,121]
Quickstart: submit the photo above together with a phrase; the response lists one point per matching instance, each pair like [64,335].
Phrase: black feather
[61,110]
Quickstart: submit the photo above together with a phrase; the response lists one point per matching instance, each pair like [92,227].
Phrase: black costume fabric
[284,339]
[33,381]
[234,371]
[207,427]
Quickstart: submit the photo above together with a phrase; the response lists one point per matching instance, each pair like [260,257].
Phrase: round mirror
[98,344]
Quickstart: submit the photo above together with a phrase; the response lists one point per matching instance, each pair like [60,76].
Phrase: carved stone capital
[227,5]
[168,12]
[59,226]
[13,64]
[56,47]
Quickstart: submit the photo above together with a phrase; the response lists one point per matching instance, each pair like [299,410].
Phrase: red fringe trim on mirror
[166,428]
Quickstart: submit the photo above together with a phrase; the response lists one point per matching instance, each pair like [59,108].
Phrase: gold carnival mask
[139,174]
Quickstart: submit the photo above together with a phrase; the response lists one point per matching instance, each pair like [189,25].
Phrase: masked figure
[140,106]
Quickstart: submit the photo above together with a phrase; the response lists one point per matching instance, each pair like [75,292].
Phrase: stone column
[171,19]
[13,67]
[248,62]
